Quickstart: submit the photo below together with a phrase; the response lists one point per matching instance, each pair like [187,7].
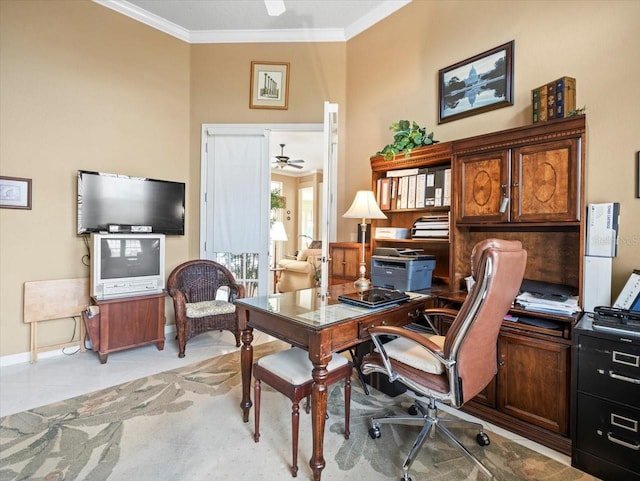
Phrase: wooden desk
[322,327]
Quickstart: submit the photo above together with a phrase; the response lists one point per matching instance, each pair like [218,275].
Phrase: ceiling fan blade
[294,165]
[295,161]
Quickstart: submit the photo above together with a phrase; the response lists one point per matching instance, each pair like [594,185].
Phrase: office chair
[196,287]
[456,367]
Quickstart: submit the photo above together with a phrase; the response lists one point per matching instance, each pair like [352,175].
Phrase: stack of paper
[566,305]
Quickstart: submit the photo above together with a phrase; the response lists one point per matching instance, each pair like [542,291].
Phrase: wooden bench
[55,299]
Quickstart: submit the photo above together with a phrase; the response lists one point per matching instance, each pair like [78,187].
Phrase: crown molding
[254,36]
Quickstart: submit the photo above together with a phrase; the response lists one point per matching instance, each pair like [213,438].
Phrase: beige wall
[82,87]
[393,74]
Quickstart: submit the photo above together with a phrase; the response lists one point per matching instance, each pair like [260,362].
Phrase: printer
[402,269]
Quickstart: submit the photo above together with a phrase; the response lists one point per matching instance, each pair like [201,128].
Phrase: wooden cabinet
[126,322]
[533,183]
[344,265]
[533,380]
[433,157]
[524,184]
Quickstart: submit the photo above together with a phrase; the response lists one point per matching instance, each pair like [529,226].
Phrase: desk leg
[246,365]
[318,416]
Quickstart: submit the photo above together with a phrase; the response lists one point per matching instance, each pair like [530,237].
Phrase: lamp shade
[278,232]
[364,207]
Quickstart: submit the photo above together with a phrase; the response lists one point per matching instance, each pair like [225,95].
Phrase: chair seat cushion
[408,352]
[209,308]
[293,365]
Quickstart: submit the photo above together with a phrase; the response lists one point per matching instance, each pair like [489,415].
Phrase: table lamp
[364,207]
[277,234]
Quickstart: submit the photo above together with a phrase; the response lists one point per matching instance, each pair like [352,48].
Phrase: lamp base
[362,284]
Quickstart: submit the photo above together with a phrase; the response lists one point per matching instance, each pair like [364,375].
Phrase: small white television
[125,265]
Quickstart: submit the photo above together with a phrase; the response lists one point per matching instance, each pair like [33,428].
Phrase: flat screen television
[127,265]
[120,200]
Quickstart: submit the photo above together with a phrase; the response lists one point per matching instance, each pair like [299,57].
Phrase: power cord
[87,257]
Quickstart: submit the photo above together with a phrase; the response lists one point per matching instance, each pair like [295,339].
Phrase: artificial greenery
[408,135]
[278,201]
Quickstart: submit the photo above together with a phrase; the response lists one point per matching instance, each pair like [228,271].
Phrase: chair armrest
[413,336]
[441,311]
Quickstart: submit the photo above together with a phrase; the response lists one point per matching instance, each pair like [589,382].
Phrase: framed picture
[15,193]
[638,175]
[479,84]
[269,85]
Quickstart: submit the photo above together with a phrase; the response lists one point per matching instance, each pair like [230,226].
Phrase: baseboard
[21,357]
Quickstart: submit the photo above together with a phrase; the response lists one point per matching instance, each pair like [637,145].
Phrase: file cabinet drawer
[609,369]
[609,430]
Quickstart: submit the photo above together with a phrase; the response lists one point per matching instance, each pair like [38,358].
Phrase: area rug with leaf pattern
[186,425]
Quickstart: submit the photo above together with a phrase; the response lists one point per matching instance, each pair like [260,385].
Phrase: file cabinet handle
[613,439]
[632,380]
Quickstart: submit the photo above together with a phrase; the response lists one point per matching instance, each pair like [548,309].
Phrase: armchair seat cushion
[411,354]
[196,310]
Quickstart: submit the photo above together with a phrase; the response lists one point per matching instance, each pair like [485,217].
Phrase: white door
[234,198]
[329,185]
[234,220]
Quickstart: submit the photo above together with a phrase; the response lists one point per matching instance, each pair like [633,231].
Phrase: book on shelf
[551,100]
[565,96]
[543,104]
[430,233]
[535,105]
[403,202]
[439,188]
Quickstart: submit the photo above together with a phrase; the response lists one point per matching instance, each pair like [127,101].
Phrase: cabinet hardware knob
[501,363]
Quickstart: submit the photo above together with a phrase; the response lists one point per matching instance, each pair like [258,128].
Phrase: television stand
[126,322]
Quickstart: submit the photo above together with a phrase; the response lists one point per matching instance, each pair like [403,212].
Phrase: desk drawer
[393,317]
[609,369]
[609,430]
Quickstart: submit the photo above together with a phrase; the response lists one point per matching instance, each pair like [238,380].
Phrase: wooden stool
[289,372]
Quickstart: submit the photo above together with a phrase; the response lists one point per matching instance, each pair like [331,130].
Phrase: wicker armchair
[196,287]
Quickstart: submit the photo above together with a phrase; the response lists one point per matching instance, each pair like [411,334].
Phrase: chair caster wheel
[413,410]
[483,439]
[375,432]
[406,479]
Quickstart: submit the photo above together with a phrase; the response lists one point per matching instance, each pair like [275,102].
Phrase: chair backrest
[498,268]
[199,280]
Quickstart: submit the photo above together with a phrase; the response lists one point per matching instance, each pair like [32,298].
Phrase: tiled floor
[25,386]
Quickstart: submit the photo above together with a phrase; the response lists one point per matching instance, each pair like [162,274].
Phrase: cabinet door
[345,262]
[545,182]
[533,381]
[484,180]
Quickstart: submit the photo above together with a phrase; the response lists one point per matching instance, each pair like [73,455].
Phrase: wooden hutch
[527,184]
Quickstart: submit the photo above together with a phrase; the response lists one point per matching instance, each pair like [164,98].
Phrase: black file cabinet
[606,394]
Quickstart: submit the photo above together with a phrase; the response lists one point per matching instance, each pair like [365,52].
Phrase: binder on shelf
[439,188]
[394,193]
[446,193]
[411,192]
[385,193]
[404,192]
[430,189]
[421,185]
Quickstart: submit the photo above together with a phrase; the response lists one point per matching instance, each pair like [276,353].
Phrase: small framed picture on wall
[638,174]
[15,193]
[269,85]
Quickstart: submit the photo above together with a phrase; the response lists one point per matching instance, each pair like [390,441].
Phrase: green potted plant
[408,135]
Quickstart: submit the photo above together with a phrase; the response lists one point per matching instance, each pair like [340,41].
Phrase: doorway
[235,206]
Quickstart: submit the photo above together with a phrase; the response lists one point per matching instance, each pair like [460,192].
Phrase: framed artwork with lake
[478,84]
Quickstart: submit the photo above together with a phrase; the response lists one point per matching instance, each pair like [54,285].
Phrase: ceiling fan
[283,161]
